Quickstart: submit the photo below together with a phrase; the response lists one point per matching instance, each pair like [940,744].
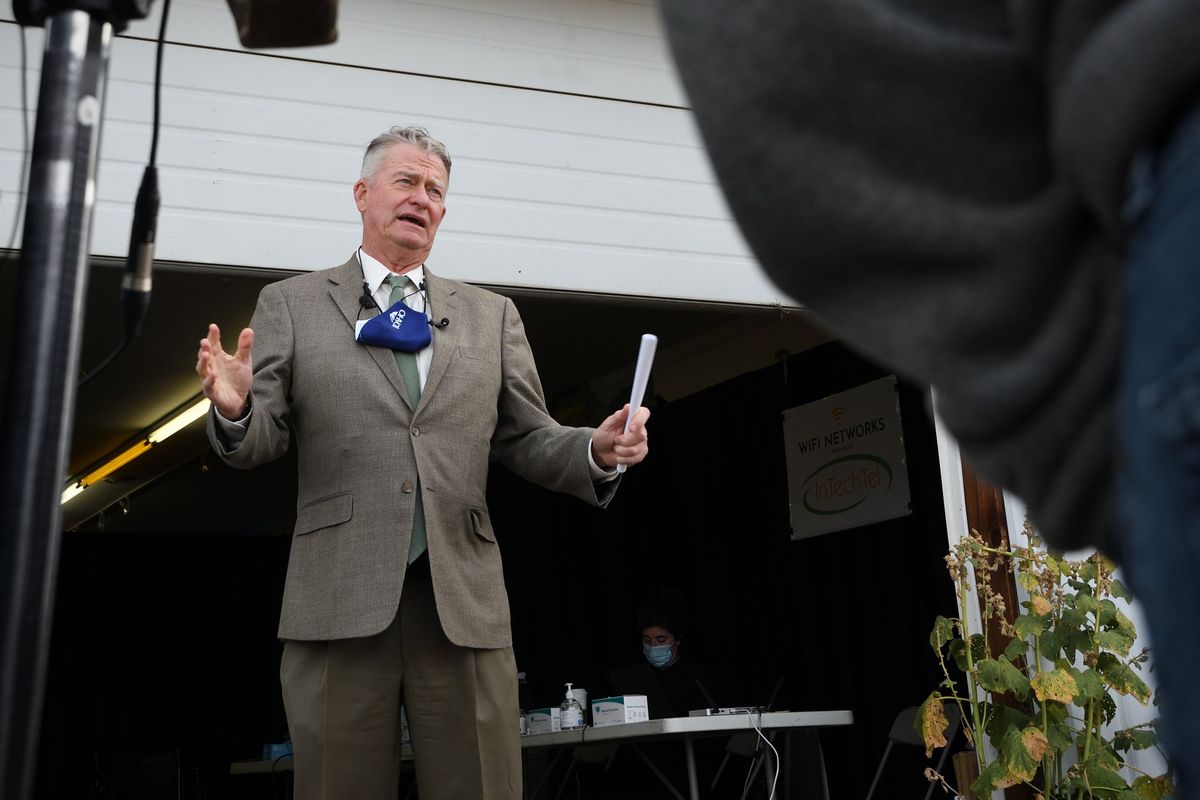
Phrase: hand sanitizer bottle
[570,713]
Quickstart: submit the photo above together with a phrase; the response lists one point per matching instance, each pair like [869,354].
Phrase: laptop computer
[640,679]
[728,710]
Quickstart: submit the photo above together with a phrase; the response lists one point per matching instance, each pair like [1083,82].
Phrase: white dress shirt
[375,275]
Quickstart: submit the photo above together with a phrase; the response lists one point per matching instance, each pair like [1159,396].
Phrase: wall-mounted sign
[845,460]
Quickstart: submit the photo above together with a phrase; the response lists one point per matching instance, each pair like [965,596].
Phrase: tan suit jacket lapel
[346,289]
[443,302]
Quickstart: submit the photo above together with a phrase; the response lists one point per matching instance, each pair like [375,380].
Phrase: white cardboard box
[544,720]
[620,709]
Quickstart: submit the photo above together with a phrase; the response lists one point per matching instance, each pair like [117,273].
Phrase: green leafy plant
[1044,702]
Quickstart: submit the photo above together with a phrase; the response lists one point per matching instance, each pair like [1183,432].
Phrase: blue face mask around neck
[658,655]
[399,328]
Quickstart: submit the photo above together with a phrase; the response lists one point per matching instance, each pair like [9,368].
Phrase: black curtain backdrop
[165,642]
[844,618]
[161,642]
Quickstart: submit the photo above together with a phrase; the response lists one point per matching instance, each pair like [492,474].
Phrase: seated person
[687,684]
[607,774]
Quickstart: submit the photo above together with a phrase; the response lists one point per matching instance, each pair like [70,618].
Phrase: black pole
[40,396]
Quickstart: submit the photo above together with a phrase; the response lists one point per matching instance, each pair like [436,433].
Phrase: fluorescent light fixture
[114,464]
[157,436]
[71,491]
[181,421]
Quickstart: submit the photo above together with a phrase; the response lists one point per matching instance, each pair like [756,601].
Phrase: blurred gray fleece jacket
[942,181]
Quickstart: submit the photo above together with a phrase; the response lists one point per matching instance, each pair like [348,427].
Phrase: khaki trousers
[343,701]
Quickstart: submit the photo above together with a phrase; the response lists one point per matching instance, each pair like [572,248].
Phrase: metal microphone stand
[43,365]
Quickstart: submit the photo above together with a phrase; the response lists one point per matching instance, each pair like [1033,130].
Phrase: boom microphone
[139,263]
[285,23]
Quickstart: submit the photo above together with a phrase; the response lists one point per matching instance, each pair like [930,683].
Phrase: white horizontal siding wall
[601,48]
[576,164]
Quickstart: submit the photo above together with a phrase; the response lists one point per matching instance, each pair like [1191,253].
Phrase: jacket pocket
[324,513]
[481,523]
[480,354]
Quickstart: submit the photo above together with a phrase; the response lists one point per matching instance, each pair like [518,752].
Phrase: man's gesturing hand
[226,377]
[611,445]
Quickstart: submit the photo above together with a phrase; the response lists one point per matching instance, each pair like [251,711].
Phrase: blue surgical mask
[399,328]
[659,654]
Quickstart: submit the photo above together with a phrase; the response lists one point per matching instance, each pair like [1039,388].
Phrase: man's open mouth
[415,220]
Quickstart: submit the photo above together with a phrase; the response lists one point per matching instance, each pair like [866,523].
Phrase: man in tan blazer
[395,591]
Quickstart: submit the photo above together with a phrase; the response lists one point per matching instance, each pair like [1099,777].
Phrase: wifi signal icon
[838,413]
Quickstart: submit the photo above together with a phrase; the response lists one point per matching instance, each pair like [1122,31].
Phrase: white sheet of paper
[641,377]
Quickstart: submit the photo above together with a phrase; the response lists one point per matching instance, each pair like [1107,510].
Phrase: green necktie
[407,362]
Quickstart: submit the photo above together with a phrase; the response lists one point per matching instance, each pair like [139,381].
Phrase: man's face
[402,205]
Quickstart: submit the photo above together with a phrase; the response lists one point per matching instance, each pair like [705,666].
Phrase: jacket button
[416,431]
[407,487]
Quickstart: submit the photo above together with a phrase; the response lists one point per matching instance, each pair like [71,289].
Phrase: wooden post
[985,515]
[966,770]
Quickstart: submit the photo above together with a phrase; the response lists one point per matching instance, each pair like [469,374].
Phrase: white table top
[686,726]
[671,727]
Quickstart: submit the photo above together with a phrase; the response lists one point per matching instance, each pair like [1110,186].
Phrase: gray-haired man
[395,591]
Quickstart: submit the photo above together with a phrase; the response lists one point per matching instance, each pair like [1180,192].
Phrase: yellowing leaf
[1153,788]
[1125,625]
[1116,641]
[1035,743]
[1122,678]
[1057,685]
[931,723]
[1019,763]
[994,776]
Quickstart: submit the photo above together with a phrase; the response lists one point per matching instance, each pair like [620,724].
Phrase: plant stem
[958,701]
[971,683]
[1093,629]
[1046,759]
[1087,730]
